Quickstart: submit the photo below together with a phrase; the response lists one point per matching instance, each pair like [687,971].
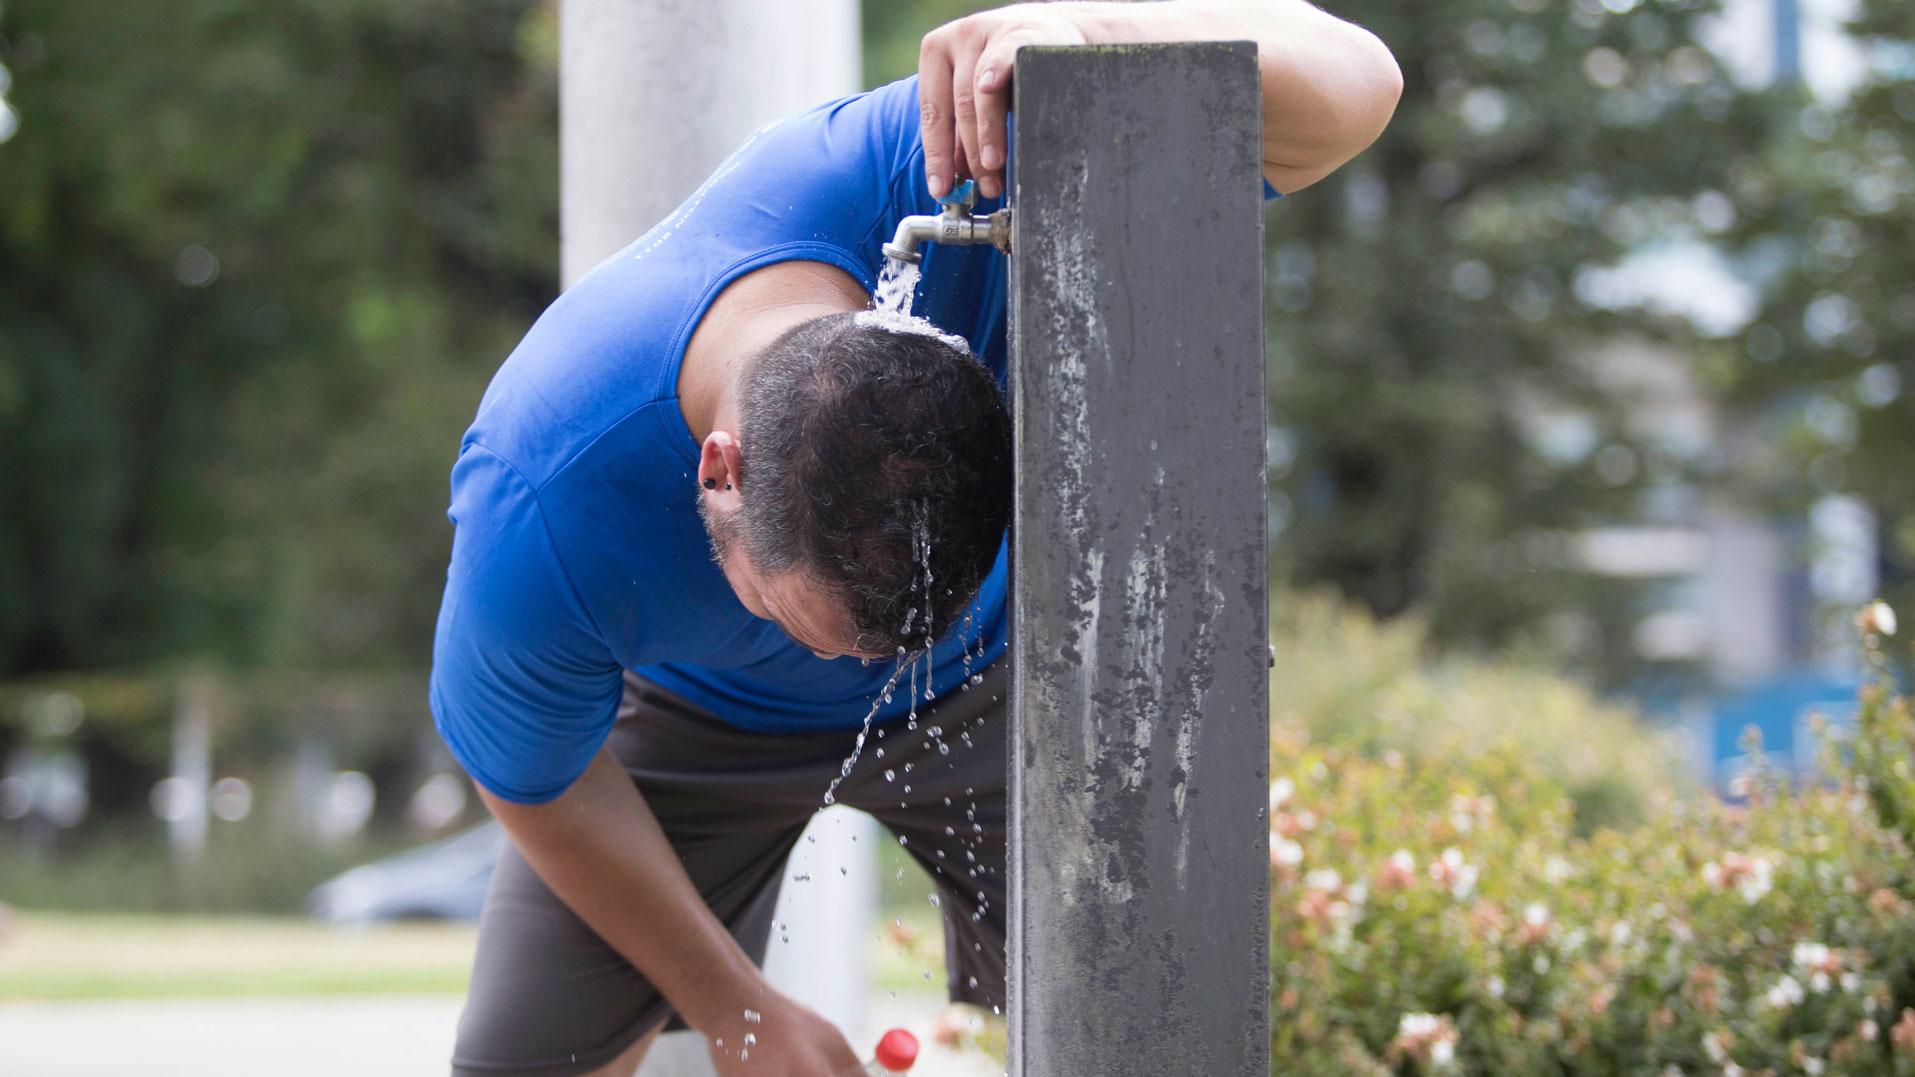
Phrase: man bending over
[702,488]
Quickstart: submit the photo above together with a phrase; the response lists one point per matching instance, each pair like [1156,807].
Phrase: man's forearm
[1329,86]
[599,848]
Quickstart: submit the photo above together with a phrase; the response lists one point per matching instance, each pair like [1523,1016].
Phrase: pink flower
[1903,1034]
[1750,876]
[1398,872]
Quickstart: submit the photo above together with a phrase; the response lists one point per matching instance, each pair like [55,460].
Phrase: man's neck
[747,316]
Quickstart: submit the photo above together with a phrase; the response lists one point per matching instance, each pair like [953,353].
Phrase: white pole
[653,94]
[192,770]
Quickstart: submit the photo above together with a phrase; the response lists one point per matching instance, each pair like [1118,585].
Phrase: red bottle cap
[897,1050]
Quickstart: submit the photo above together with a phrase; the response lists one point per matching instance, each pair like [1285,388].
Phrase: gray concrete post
[1139,875]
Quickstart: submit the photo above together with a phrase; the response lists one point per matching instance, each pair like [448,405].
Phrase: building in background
[1750,622]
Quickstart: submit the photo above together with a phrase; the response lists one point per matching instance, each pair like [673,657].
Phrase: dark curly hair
[867,454]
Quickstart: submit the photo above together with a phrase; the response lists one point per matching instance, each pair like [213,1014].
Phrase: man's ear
[718,467]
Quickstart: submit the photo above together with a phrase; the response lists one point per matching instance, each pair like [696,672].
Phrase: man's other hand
[964,89]
[785,1040]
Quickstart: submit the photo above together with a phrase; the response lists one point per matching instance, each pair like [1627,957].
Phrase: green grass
[67,956]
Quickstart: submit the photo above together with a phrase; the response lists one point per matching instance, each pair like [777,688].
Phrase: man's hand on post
[1329,87]
[964,89]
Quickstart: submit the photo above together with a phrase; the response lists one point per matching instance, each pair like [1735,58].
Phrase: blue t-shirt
[578,550]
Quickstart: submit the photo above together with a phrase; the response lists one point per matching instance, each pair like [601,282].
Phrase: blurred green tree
[259,263]
[1442,422]
[1827,369]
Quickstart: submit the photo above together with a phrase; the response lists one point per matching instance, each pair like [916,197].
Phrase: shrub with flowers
[1377,687]
[1445,914]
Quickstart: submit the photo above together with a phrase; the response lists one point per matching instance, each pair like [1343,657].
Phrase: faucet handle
[963,197]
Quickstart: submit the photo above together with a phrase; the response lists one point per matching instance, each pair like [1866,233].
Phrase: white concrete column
[654,93]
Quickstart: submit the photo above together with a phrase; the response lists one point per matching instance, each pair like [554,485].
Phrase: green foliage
[260,261]
[1377,689]
[1442,914]
[1429,319]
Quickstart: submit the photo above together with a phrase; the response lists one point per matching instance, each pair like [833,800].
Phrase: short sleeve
[523,688]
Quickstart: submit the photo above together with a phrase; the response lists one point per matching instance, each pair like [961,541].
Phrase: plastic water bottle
[897,1050]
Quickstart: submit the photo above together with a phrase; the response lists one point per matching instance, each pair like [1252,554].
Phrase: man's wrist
[715,1003]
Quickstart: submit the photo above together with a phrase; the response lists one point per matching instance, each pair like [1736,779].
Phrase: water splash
[897,286]
[891,306]
[857,749]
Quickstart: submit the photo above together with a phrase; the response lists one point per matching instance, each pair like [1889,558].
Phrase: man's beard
[721,529]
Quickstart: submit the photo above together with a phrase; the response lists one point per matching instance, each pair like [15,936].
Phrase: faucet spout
[957,224]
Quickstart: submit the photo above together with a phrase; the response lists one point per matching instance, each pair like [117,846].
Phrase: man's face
[791,599]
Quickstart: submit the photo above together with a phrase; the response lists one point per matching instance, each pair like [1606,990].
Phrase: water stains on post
[1139,874]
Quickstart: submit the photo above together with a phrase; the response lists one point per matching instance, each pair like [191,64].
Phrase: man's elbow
[1343,118]
[1376,88]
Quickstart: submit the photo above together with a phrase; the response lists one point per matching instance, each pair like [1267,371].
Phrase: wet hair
[866,451]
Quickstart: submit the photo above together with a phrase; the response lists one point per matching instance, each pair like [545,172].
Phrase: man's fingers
[934,106]
[993,105]
[964,104]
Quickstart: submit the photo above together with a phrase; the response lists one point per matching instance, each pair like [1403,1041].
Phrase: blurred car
[445,880]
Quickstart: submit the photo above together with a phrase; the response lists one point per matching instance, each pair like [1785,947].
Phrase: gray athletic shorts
[548,996]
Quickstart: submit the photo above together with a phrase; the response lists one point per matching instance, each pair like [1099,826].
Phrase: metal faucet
[955,225]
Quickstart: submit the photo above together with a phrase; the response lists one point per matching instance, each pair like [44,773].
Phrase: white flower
[1810,955]
[1495,986]
[1281,791]
[1786,992]
[1284,852]
[1402,861]
[1453,873]
[1713,1046]
[1324,879]
[1878,617]
[1535,914]
[1868,1030]
[1417,1025]
[1556,869]
[1427,1036]
[1813,1066]
[1619,933]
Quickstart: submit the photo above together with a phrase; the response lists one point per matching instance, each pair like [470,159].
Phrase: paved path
[392,1036]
